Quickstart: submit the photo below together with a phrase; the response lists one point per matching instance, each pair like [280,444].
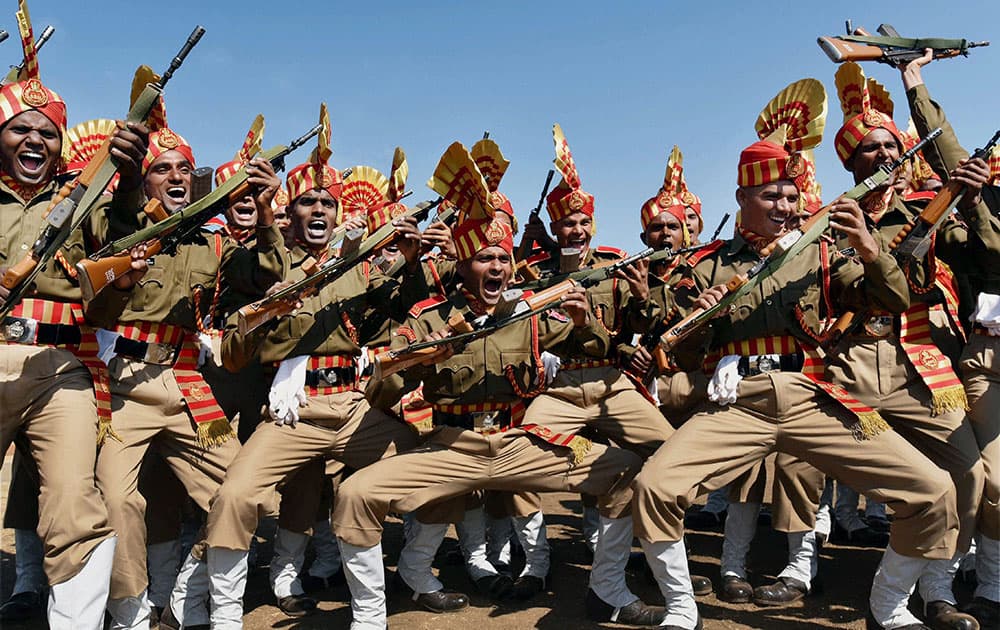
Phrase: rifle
[783,249]
[15,71]
[608,269]
[114,259]
[78,198]
[718,230]
[4,35]
[511,309]
[914,239]
[525,246]
[446,216]
[279,303]
[889,47]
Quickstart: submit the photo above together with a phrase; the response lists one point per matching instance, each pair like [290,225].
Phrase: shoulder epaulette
[614,251]
[695,257]
[422,306]
[919,195]
[534,259]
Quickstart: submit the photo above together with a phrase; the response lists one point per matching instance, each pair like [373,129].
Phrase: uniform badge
[664,200]
[326,179]
[873,118]
[167,139]
[397,210]
[557,316]
[928,360]
[496,199]
[197,392]
[837,391]
[495,232]
[688,198]
[407,332]
[577,200]
[281,197]
[794,166]
[34,94]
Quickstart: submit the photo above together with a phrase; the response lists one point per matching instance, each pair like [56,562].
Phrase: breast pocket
[148,289]
[522,367]
[458,374]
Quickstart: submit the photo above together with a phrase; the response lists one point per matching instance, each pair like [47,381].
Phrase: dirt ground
[845,577]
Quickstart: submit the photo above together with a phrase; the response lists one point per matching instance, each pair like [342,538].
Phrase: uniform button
[768,302]
[24,246]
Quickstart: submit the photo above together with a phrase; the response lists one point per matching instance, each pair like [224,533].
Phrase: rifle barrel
[44,37]
[176,62]
[298,142]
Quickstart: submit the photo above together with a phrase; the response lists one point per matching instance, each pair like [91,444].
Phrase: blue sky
[625,80]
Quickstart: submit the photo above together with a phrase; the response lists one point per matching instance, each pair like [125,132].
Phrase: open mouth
[316,229]
[177,193]
[577,243]
[778,218]
[31,161]
[492,288]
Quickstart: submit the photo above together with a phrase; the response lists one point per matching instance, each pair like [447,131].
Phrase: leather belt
[33,332]
[482,422]
[147,352]
[764,363]
[331,376]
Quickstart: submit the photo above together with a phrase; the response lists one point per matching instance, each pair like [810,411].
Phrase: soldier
[315,350]
[162,397]
[49,360]
[779,403]
[477,440]
[916,391]
[596,393]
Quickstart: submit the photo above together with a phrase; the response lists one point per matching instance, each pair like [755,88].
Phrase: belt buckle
[764,363]
[327,377]
[19,330]
[485,422]
[878,325]
[159,353]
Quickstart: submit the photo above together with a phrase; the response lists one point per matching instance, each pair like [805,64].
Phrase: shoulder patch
[422,306]
[537,258]
[557,316]
[406,331]
[920,195]
[613,251]
[695,257]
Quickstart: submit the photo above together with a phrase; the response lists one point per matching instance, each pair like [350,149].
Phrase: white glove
[726,380]
[106,345]
[205,353]
[987,312]
[288,391]
[551,363]
[363,360]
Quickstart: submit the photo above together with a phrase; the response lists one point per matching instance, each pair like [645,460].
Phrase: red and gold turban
[568,197]
[28,93]
[316,173]
[392,208]
[251,145]
[458,180]
[161,137]
[866,105]
[364,193]
[492,164]
[674,196]
[792,122]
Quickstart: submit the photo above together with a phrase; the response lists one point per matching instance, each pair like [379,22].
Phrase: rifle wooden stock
[155,211]
[938,206]
[683,329]
[393,362]
[841,51]
[526,271]
[661,359]
[262,311]
[94,275]
[549,295]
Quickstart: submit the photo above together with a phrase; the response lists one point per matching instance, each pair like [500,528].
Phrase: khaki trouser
[165,496]
[49,394]
[878,373]
[795,493]
[338,426]
[786,412]
[604,400]
[455,462]
[148,408]
[981,373]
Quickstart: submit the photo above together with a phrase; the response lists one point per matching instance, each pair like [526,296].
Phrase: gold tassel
[214,433]
[949,399]
[871,424]
[580,447]
[423,427]
[105,431]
